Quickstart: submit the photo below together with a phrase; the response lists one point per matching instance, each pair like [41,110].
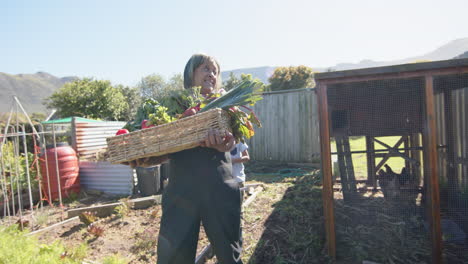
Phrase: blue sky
[124,41]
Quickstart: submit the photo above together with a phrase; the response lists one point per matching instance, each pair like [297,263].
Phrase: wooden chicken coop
[394,145]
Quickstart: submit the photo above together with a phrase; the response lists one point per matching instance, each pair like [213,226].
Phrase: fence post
[327,191]
[431,172]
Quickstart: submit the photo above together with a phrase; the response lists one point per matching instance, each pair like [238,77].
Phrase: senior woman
[201,187]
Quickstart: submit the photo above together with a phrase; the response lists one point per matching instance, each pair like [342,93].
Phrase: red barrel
[68,169]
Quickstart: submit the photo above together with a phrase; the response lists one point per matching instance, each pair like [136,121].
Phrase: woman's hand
[147,162]
[222,141]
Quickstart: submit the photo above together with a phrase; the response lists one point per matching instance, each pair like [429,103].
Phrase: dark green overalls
[201,188]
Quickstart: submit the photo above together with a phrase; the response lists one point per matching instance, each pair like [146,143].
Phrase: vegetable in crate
[247,92]
[187,102]
[168,109]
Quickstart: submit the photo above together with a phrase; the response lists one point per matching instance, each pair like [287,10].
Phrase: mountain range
[454,49]
[32,89]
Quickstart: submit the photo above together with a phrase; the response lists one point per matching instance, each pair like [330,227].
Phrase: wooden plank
[376,151]
[73,219]
[327,192]
[416,154]
[430,164]
[449,139]
[382,162]
[371,172]
[342,167]
[107,209]
[252,197]
[349,167]
[407,153]
[394,151]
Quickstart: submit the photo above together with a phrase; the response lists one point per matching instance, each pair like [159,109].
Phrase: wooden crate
[160,140]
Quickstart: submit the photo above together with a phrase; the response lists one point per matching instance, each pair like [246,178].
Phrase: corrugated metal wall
[106,177]
[88,138]
[290,129]
[459,100]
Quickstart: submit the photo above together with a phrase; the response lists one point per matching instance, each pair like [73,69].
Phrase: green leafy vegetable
[245,93]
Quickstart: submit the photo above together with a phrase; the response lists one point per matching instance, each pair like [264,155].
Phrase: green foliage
[160,117]
[42,217]
[96,99]
[88,218]
[133,98]
[115,259]
[287,78]
[233,81]
[10,160]
[38,117]
[71,199]
[175,102]
[16,248]
[155,86]
[123,209]
[143,112]
[246,93]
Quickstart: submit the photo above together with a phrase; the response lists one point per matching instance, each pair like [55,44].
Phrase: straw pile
[176,136]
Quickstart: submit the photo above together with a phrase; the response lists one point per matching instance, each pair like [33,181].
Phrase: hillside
[263,73]
[30,89]
[448,51]
[462,56]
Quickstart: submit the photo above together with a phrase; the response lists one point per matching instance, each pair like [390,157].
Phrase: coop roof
[394,69]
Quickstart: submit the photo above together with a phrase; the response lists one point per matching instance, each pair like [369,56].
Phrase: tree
[176,82]
[133,98]
[286,78]
[233,80]
[155,86]
[89,98]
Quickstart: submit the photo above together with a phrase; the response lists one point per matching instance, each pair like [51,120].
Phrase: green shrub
[16,248]
[10,160]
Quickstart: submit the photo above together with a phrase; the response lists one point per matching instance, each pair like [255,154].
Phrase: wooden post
[415,140]
[431,172]
[73,134]
[371,173]
[407,153]
[327,192]
[450,140]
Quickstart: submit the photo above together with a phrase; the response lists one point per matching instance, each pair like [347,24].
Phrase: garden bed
[271,230]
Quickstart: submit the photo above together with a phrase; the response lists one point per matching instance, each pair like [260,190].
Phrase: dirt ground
[283,224]
[134,236]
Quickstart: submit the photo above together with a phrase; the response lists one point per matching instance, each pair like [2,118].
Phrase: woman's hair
[194,62]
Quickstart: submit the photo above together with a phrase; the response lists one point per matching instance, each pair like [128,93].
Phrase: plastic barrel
[68,169]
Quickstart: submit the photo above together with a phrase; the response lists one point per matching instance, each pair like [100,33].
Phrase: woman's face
[206,76]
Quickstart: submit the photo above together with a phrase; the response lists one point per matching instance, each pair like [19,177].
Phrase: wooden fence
[290,131]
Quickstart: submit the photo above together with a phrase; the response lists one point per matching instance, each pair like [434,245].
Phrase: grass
[360,160]
[16,248]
